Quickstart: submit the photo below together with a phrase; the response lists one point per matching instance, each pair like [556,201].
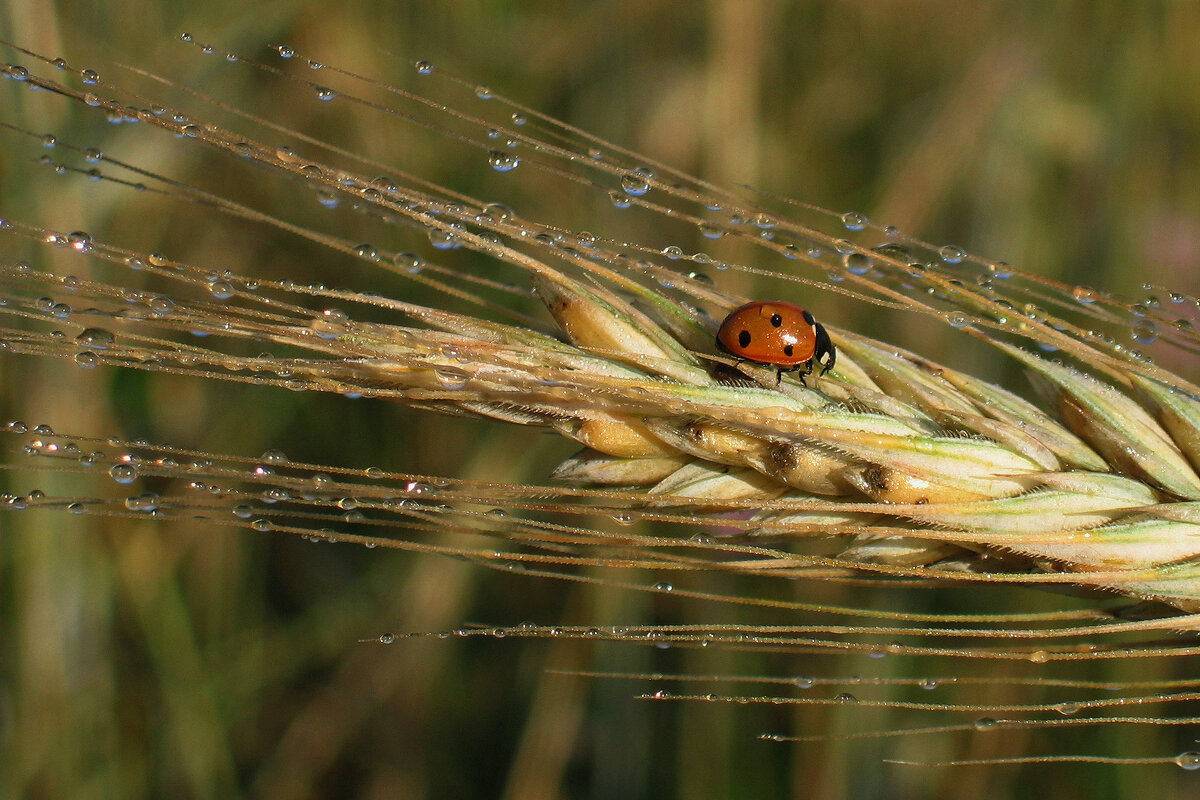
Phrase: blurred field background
[158,660]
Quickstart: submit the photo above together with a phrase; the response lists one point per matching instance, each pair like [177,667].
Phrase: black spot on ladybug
[788,349]
[744,338]
[776,320]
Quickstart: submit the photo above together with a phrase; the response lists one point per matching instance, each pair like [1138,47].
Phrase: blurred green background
[186,661]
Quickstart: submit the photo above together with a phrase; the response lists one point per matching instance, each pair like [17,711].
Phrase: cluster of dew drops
[855,260]
[125,466]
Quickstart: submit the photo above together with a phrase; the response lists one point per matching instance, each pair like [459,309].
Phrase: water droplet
[328,198]
[483,92]
[634,184]
[285,51]
[663,587]
[89,76]
[952,254]
[80,240]
[1068,708]
[619,200]
[519,119]
[87,359]
[1039,657]
[1189,760]
[845,247]
[451,380]
[985,724]
[261,525]
[502,161]
[410,262]
[325,94]
[275,495]
[1085,294]
[1000,270]
[1145,331]
[161,305]
[123,473]
[96,338]
[957,319]
[146,502]
[222,290]
[846,697]
[858,263]
[805,681]
[92,155]
[443,240]
[854,221]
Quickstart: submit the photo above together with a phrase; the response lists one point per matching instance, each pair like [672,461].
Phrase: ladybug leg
[808,368]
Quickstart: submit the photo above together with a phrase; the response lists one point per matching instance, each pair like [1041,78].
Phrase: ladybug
[779,334]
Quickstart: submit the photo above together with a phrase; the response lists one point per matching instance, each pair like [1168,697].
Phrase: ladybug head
[826,353]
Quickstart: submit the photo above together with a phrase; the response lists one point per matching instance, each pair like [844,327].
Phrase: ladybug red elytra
[779,334]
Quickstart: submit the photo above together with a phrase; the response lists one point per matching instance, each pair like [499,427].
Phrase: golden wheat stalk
[890,469]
